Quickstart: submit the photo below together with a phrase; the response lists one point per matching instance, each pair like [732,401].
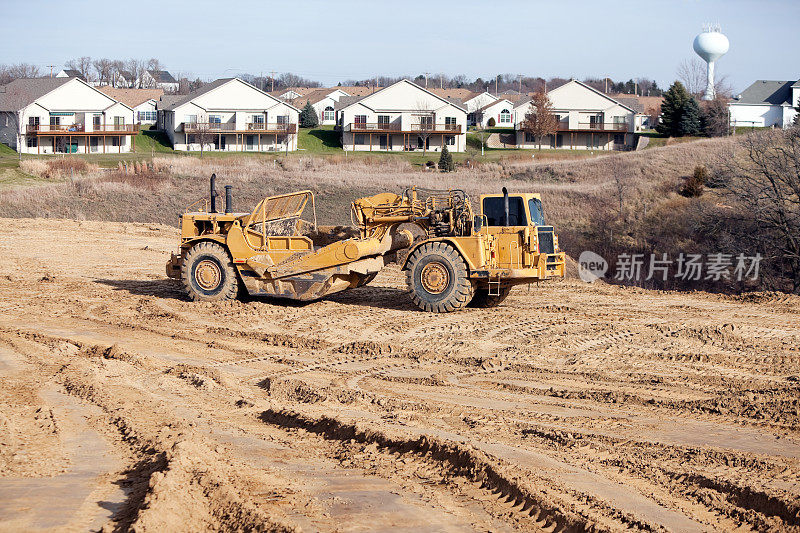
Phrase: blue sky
[337,40]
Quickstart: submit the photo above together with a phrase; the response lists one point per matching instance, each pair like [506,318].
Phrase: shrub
[446,160]
[491,123]
[57,168]
[694,185]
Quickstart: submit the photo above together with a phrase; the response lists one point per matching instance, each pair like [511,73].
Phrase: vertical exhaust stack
[506,208]
[214,194]
[228,199]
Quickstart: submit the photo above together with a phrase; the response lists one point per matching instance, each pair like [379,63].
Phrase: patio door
[385,142]
[426,122]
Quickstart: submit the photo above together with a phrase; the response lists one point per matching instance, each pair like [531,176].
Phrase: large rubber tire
[483,299]
[208,273]
[438,279]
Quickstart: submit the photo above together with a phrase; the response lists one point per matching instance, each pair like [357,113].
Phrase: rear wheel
[208,273]
[438,279]
[483,299]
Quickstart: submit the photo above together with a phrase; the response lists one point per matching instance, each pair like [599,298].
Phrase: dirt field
[570,407]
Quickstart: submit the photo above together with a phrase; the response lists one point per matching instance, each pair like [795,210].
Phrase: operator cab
[523,210]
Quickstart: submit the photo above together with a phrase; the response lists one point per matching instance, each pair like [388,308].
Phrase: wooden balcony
[81,129]
[230,127]
[596,127]
[396,127]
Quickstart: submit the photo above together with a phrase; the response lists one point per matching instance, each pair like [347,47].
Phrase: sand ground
[571,407]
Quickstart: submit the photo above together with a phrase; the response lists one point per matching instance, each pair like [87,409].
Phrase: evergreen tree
[797,116]
[308,117]
[672,110]
[690,123]
[446,160]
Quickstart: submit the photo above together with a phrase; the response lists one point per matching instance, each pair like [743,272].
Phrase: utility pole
[495,85]
[272,79]
[519,91]
[426,79]
[441,81]
[51,70]
[261,80]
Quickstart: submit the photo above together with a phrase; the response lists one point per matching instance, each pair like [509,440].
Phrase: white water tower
[711,45]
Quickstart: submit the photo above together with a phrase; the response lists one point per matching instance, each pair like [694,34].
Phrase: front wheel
[208,273]
[438,279]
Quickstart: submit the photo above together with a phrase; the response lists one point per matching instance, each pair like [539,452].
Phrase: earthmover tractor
[455,257]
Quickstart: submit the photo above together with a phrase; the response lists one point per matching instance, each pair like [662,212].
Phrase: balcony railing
[66,129]
[594,126]
[257,127]
[373,127]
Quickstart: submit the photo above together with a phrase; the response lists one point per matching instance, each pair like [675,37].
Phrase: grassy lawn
[319,140]
[657,139]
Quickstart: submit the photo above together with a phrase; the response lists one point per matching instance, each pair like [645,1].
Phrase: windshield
[537,215]
[494,209]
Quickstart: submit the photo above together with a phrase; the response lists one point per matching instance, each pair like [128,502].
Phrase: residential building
[70,73]
[501,110]
[229,115]
[159,79]
[587,119]
[63,115]
[475,102]
[123,79]
[402,116]
[647,106]
[766,104]
[142,101]
[322,100]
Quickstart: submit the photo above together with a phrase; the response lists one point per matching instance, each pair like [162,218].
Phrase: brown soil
[570,407]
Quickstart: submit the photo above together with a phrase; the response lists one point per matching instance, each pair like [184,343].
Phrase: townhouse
[63,115]
[230,115]
[499,110]
[766,104]
[587,119]
[159,79]
[142,101]
[401,117]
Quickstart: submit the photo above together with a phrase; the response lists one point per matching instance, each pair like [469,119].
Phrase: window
[214,119]
[383,119]
[450,123]
[360,119]
[505,116]
[537,215]
[283,119]
[190,139]
[114,141]
[450,140]
[143,116]
[251,142]
[258,119]
[360,139]
[96,121]
[55,121]
[619,138]
[191,119]
[33,121]
[529,137]
[328,113]
[494,209]
[119,121]
[33,142]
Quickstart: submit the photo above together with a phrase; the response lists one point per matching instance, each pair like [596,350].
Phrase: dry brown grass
[57,168]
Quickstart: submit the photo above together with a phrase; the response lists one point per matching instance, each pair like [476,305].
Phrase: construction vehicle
[455,257]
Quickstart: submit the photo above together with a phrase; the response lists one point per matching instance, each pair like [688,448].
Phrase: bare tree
[137,68]
[539,120]
[764,179]
[694,75]
[23,70]
[204,135]
[82,65]
[425,117]
[103,68]
[154,64]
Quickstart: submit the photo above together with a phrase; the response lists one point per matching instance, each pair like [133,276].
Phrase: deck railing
[594,126]
[257,127]
[81,128]
[373,127]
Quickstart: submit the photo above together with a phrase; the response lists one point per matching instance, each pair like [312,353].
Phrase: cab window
[493,208]
[537,215]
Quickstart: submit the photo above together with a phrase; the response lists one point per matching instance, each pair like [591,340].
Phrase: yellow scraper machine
[454,258]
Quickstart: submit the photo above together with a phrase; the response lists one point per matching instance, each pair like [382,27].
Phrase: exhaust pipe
[214,193]
[228,200]
[506,210]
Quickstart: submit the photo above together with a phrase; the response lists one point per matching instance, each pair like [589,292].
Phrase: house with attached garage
[401,117]
[501,111]
[142,101]
[63,115]
[323,101]
[229,115]
[587,120]
[766,104]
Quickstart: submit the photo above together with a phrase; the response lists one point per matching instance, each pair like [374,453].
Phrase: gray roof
[633,103]
[767,92]
[345,101]
[173,102]
[162,76]
[168,101]
[24,91]
[72,73]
